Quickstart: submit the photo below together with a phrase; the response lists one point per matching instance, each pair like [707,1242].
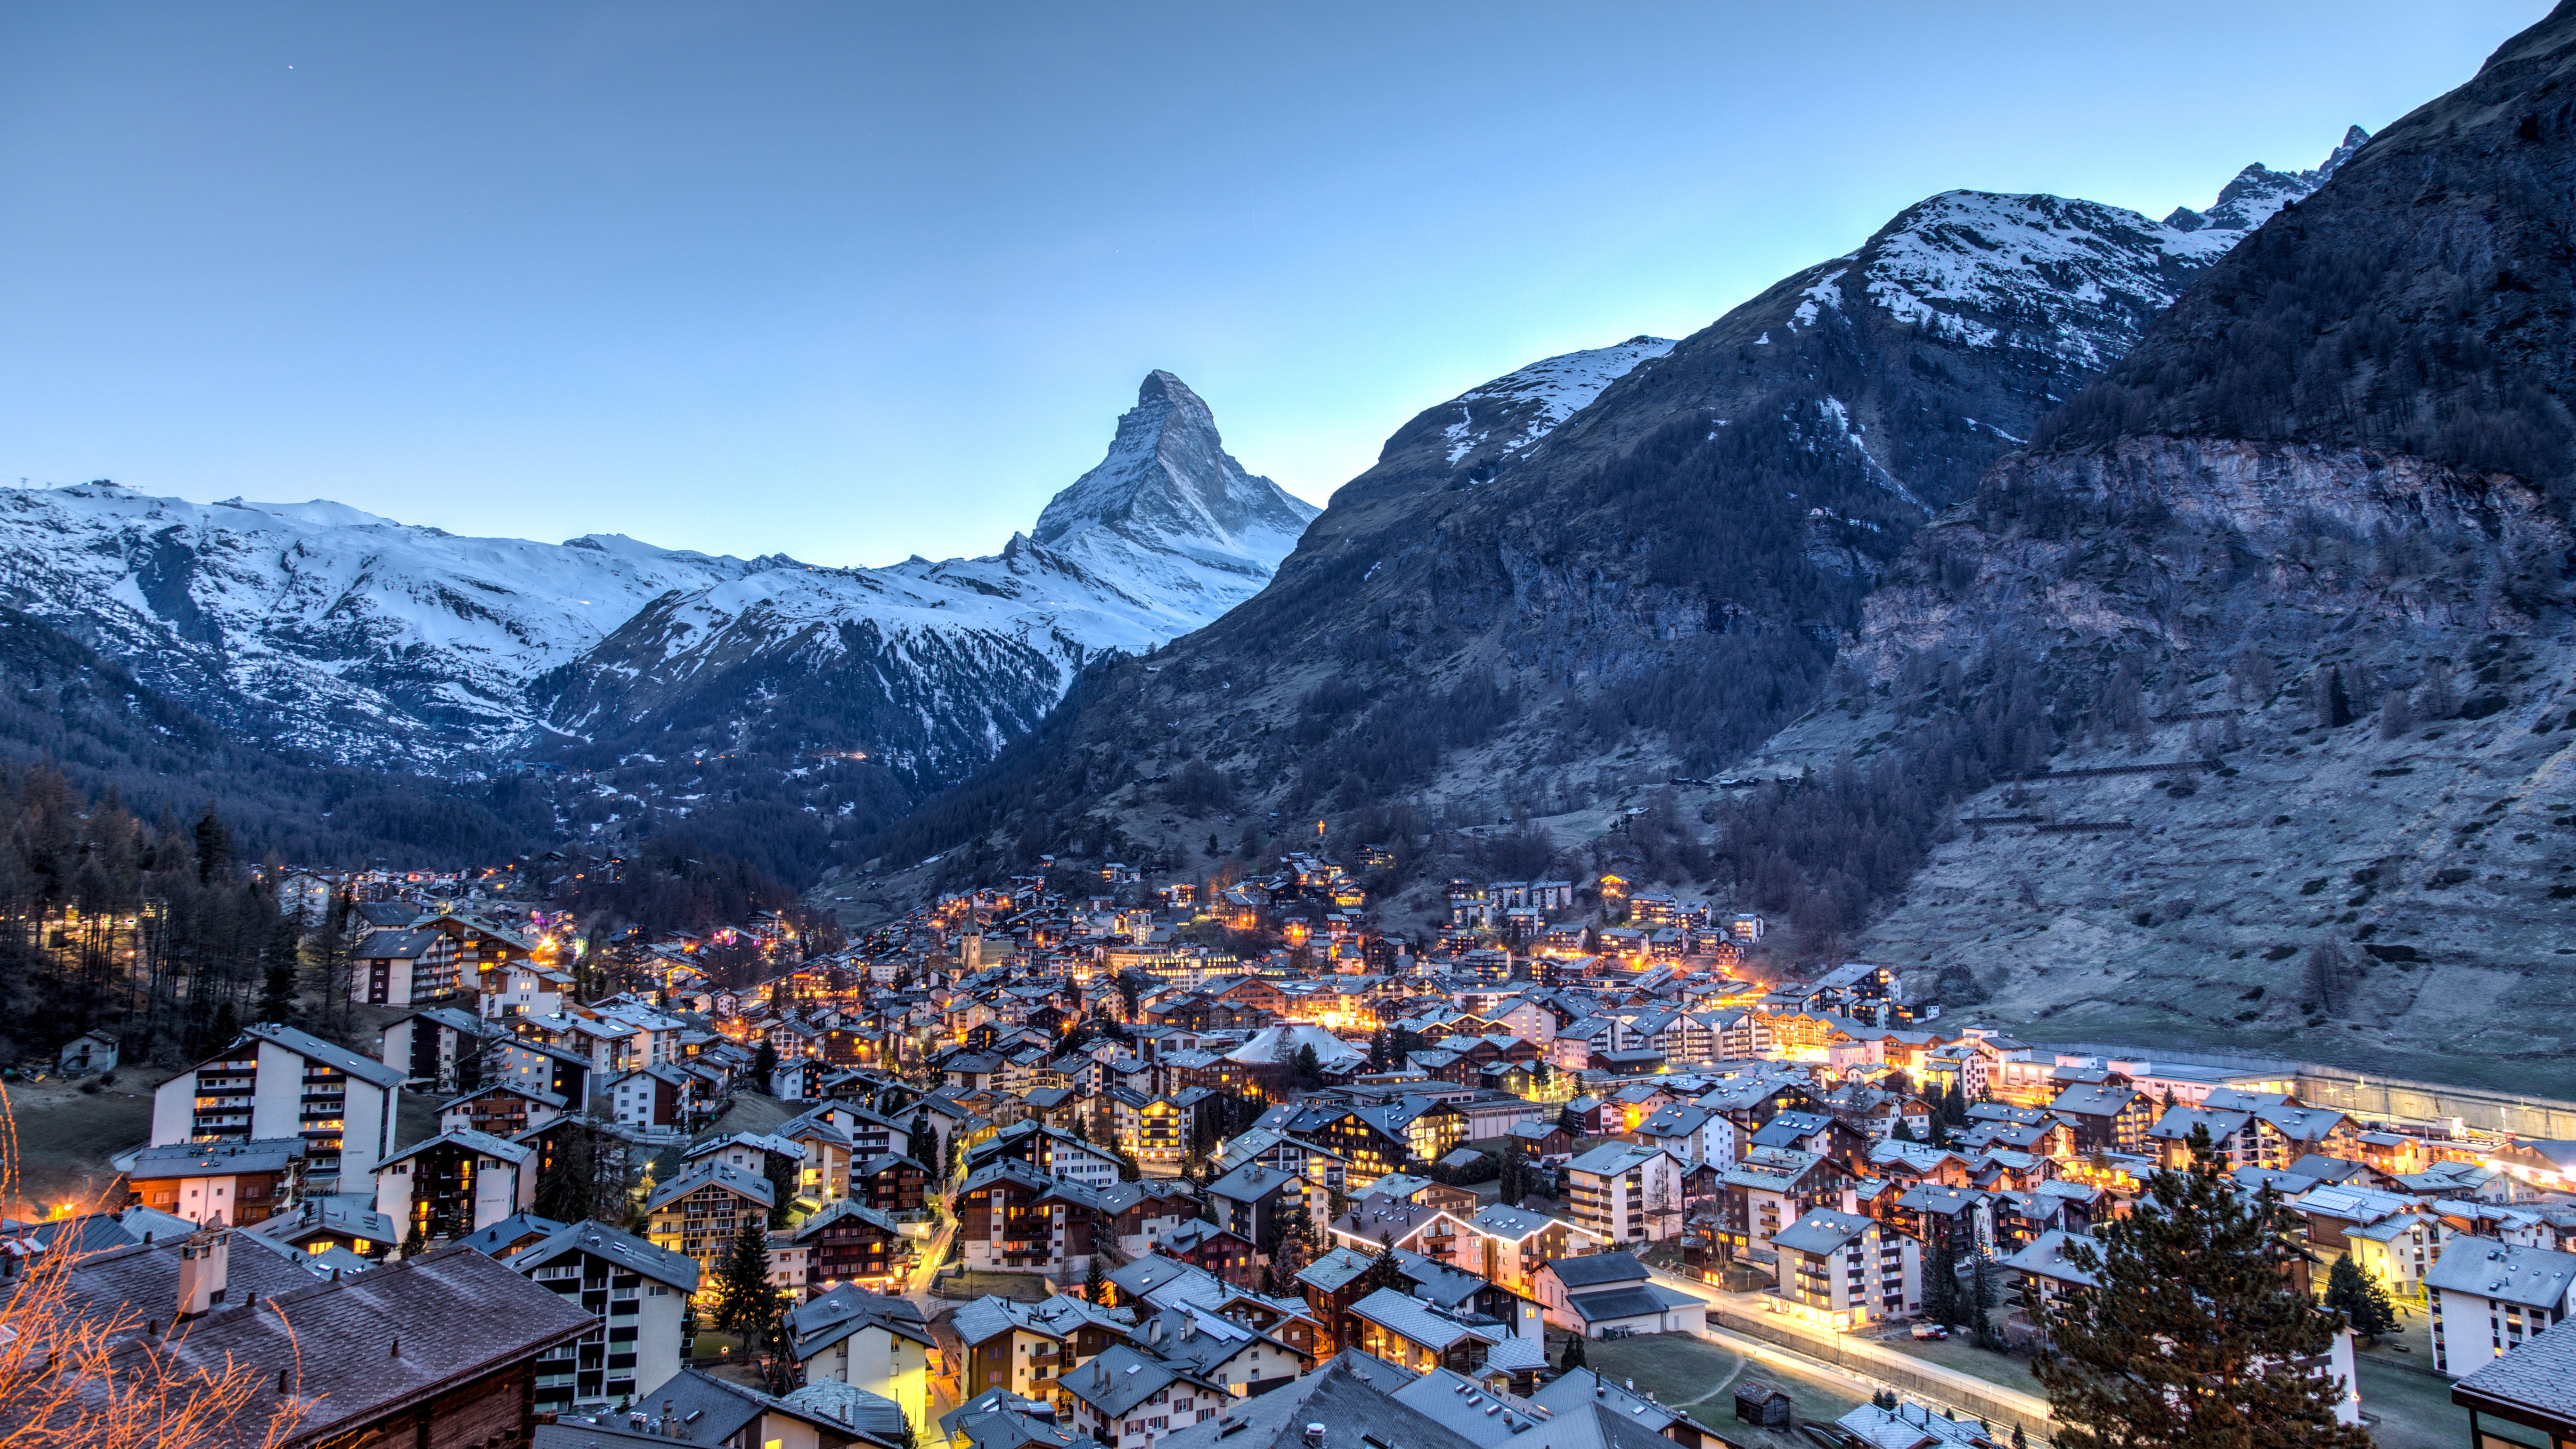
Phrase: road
[1840,1375]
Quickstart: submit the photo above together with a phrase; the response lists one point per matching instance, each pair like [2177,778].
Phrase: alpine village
[1975,855]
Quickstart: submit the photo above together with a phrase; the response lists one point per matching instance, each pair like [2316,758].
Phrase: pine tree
[1904,1130]
[415,1242]
[1573,1358]
[745,1301]
[1941,1299]
[1984,1292]
[214,845]
[1310,1068]
[2396,716]
[226,1025]
[2021,1438]
[1296,1247]
[277,985]
[2359,1298]
[763,1063]
[1383,1271]
[1095,1283]
[922,1144]
[2190,1334]
[782,1187]
[2324,974]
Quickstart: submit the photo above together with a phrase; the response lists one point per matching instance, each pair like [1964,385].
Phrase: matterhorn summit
[1171,501]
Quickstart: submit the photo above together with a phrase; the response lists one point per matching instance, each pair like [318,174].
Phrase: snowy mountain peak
[1505,416]
[1168,487]
[2073,279]
[2257,192]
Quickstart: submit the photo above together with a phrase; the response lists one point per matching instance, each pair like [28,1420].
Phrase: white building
[2490,1298]
[638,1292]
[1843,1270]
[275,1081]
[868,1341]
[1623,1194]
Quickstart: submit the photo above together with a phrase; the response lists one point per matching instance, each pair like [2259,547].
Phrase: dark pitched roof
[141,1280]
[1350,1399]
[1595,1269]
[1119,1378]
[365,1069]
[677,1270]
[402,1334]
[825,1320]
[1615,1303]
[2539,1376]
[711,1410]
[510,1233]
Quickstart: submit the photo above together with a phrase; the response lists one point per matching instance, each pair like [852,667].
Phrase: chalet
[1250,1200]
[848,1242]
[1505,1245]
[869,1341]
[1141,1215]
[890,1183]
[455,1183]
[320,1224]
[459,1378]
[699,1406]
[2526,1388]
[1049,1150]
[1961,1218]
[1220,1349]
[1224,1254]
[1622,1193]
[220,1183]
[502,1111]
[1406,1331]
[1772,1188]
[1000,1419]
[2106,1118]
[403,967]
[1013,1218]
[2488,1299]
[700,1212]
[1818,1133]
[1125,1399]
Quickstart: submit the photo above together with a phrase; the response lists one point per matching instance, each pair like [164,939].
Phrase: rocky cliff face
[2319,516]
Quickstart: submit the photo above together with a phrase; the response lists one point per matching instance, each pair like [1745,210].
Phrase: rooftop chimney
[204,1261]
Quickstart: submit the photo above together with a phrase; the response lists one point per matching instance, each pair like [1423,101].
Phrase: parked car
[1923,1331]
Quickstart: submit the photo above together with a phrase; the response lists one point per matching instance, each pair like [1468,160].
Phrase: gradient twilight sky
[854,281]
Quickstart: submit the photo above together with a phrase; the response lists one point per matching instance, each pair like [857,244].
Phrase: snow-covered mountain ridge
[2035,272]
[323,627]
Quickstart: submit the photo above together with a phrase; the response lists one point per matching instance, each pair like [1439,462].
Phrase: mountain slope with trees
[2305,551]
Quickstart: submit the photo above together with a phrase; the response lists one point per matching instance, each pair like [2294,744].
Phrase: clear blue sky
[853,281]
